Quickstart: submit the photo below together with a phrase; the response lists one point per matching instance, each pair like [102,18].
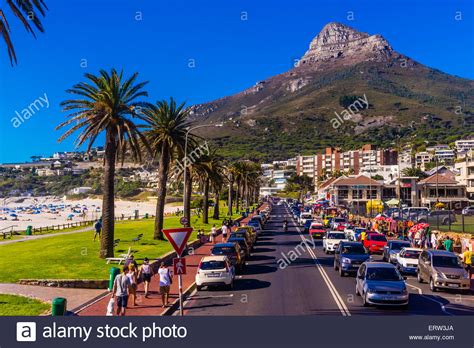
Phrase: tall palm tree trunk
[163,169]
[187,197]
[230,198]
[205,213]
[108,208]
[237,196]
[216,206]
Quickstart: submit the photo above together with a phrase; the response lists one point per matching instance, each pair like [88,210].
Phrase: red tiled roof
[327,183]
[356,180]
[442,179]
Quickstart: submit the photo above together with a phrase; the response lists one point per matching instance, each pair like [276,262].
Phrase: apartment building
[466,174]
[464,145]
[367,160]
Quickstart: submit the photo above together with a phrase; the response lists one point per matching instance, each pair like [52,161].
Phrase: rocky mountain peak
[337,41]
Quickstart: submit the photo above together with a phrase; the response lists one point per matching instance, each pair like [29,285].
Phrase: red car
[374,242]
[317,230]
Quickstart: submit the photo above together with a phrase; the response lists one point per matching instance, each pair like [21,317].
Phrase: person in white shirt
[213,234]
[165,282]
[224,232]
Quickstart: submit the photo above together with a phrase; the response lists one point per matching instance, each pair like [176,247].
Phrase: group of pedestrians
[126,284]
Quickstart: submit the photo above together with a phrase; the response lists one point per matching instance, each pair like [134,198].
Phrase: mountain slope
[297,111]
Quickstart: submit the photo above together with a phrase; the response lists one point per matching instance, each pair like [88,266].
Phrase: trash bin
[146,216]
[29,230]
[113,272]
[58,307]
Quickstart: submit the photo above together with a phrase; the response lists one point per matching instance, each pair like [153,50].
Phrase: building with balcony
[465,174]
[444,189]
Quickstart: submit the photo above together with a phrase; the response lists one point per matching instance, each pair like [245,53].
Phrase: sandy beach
[48,211]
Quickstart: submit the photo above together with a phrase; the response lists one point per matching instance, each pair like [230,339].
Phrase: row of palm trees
[112,105]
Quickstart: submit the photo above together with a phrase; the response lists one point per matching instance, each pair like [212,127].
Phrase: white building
[80,190]
[464,145]
[465,174]
[422,158]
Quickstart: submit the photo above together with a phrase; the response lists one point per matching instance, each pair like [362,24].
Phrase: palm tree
[165,133]
[107,104]
[26,11]
[209,173]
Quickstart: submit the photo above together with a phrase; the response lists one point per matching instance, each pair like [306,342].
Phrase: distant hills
[319,102]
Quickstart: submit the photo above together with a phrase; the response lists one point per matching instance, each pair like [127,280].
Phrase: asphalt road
[272,284]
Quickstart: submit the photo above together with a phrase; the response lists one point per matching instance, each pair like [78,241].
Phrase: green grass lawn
[19,305]
[75,256]
[457,226]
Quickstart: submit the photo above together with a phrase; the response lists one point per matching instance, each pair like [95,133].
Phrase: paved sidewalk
[152,305]
[27,238]
[75,297]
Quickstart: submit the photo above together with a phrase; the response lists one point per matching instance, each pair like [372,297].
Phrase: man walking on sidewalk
[165,283]
[224,232]
[121,290]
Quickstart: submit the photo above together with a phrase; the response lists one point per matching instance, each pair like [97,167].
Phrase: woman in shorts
[132,275]
[146,272]
[165,283]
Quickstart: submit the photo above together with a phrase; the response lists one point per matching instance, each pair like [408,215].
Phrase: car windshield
[316,226]
[411,254]
[241,241]
[336,236]
[399,246]
[383,273]
[353,250]
[446,261]
[211,265]
[339,220]
[378,238]
[239,235]
[223,251]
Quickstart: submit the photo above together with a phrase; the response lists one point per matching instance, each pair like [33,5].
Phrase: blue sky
[229,53]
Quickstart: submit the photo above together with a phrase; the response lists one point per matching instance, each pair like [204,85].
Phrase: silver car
[380,284]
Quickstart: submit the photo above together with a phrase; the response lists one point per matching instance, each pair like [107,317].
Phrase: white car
[304,217]
[407,260]
[332,239]
[215,271]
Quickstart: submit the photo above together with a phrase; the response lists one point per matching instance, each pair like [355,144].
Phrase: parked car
[303,217]
[256,224]
[251,230]
[443,270]
[331,240]
[468,210]
[435,217]
[242,243]
[391,250]
[233,251]
[374,242]
[317,230]
[243,234]
[215,271]
[380,284]
[348,257]
[407,259]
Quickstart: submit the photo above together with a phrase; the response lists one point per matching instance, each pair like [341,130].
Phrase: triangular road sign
[178,237]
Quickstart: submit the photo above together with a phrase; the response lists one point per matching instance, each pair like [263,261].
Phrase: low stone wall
[67,283]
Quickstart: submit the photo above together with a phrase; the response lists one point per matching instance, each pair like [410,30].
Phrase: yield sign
[178,237]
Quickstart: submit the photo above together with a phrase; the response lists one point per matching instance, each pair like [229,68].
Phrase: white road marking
[443,308]
[332,289]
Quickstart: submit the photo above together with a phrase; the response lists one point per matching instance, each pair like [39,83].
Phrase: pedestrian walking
[146,272]
[165,282]
[224,233]
[467,260]
[132,275]
[213,234]
[97,228]
[121,290]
